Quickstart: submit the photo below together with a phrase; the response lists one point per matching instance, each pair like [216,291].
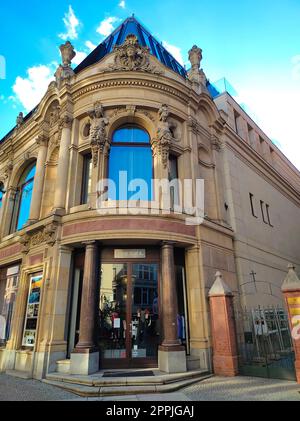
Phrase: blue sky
[255,44]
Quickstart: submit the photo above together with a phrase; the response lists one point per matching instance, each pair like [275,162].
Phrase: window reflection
[131,157]
[23,197]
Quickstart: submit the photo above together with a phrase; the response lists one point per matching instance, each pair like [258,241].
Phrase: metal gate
[265,346]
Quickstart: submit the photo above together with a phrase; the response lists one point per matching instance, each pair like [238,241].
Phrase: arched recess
[50,183]
[207,173]
[208,108]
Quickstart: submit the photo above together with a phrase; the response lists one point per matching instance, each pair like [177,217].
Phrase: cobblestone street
[213,389]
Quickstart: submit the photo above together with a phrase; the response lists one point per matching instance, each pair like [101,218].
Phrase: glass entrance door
[129,330]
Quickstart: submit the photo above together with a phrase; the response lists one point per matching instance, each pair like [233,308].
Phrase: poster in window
[32,312]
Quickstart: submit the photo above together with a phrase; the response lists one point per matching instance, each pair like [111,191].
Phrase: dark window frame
[262,211]
[268,215]
[251,196]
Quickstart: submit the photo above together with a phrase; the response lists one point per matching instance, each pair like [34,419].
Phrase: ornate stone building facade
[83,289]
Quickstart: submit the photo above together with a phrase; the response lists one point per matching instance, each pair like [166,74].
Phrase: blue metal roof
[132,26]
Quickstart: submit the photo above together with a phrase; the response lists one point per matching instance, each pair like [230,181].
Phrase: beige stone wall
[259,247]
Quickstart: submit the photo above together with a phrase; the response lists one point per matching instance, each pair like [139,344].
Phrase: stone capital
[66,121]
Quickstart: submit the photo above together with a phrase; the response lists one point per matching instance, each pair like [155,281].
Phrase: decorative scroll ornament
[98,136]
[161,144]
[132,56]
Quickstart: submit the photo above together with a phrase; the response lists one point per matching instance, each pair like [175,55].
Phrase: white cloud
[90,45]
[80,56]
[71,23]
[277,114]
[29,91]
[106,27]
[122,4]
[175,51]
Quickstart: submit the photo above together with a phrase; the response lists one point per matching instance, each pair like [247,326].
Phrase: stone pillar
[85,359]
[225,359]
[171,355]
[291,292]
[39,178]
[63,165]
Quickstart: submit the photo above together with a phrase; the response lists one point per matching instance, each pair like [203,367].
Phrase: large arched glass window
[23,198]
[130,165]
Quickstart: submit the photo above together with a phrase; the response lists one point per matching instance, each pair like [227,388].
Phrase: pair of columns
[62,171]
[85,358]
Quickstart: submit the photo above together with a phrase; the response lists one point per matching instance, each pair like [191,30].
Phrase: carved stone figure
[161,144]
[132,56]
[196,74]
[98,137]
[54,115]
[20,120]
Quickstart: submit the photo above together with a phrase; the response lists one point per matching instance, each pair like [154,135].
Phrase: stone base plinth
[225,365]
[84,364]
[172,361]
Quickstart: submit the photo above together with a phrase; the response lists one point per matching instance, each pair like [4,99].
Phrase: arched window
[23,198]
[130,165]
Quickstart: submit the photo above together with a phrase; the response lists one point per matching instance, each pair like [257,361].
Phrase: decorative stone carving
[132,56]
[196,75]
[25,242]
[50,234]
[42,140]
[54,115]
[20,120]
[65,72]
[65,122]
[46,235]
[98,136]
[161,144]
[216,143]
[67,53]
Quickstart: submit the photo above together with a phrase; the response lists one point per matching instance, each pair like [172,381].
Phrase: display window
[32,311]
[9,279]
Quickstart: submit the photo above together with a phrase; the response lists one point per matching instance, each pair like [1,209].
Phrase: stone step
[98,380]
[114,390]
[63,366]
[20,374]
[193,362]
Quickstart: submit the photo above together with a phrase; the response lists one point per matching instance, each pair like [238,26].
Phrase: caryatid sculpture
[164,135]
[98,137]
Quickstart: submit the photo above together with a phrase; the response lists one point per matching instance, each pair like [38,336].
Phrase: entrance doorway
[129,316]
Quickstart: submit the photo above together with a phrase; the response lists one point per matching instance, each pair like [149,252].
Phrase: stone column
[291,292]
[63,164]
[225,359]
[39,178]
[171,355]
[85,359]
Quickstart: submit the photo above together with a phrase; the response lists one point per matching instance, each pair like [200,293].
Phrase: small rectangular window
[252,204]
[268,215]
[86,179]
